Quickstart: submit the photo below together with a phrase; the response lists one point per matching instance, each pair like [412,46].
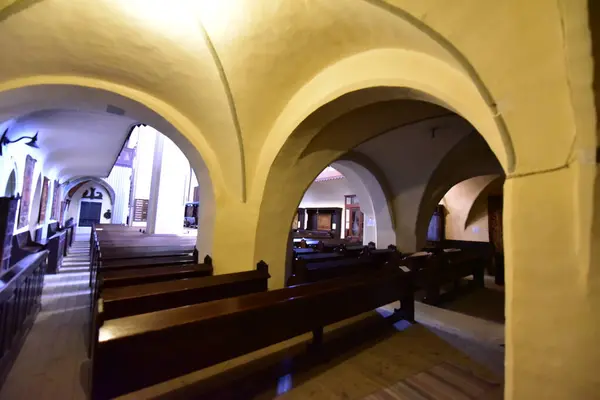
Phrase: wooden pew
[141,263]
[432,272]
[139,351]
[56,245]
[23,246]
[113,249]
[20,300]
[151,274]
[120,302]
[315,267]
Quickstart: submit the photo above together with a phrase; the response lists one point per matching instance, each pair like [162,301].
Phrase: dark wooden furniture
[56,245]
[23,246]
[432,272]
[315,270]
[124,301]
[139,276]
[69,232]
[314,267]
[355,219]
[8,212]
[20,301]
[324,220]
[138,351]
[71,227]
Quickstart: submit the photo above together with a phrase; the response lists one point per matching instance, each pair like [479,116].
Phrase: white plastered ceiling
[76,134]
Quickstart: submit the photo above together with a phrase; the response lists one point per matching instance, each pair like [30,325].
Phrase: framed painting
[26,197]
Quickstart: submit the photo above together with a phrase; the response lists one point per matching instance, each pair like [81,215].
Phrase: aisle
[49,364]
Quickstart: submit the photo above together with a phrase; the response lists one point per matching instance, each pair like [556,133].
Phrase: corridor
[49,364]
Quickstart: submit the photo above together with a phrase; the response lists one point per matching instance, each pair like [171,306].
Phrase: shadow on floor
[485,303]
[258,379]
[354,361]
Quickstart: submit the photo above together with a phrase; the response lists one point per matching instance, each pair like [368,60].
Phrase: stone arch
[59,91]
[383,75]
[469,158]
[486,183]
[373,195]
[328,134]
[68,185]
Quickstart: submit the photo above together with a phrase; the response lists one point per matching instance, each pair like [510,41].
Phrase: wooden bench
[314,267]
[23,246]
[114,250]
[143,350]
[124,301]
[151,274]
[56,245]
[432,272]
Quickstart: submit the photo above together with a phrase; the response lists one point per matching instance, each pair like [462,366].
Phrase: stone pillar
[552,285]
[167,189]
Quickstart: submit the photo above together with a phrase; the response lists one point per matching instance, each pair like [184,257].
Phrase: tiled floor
[50,362]
[53,362]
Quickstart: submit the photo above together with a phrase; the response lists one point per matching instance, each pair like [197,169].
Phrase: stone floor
[364,357]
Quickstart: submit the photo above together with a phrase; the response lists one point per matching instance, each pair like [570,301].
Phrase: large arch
[469,158]
[373,195]
[68,185]
[483,185]
[27,98]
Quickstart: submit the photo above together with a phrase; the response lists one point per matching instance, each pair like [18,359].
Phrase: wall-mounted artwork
[26,197]
[55,201]
[63,208]
[44,201]
[92,194]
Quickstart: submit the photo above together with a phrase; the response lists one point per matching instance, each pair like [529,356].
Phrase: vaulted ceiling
[80,130]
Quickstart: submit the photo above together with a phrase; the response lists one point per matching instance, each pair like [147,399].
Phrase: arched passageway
[264,133]
[70,158]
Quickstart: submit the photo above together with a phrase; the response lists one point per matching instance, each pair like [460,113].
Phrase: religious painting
[324,222]
[44,200]
[63,207]
[26,197]
[55,201]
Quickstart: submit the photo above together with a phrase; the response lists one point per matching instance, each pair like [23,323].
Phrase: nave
[363,357]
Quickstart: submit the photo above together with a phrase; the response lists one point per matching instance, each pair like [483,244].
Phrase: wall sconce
[6,141]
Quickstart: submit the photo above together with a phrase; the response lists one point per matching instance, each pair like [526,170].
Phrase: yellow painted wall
[265,109]
[466,208]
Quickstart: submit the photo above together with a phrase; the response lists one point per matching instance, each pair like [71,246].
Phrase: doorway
[89,213]
[354,219]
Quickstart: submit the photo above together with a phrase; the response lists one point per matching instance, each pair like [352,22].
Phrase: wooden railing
[20,301]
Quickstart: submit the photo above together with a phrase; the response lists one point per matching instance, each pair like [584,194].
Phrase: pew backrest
[142,350]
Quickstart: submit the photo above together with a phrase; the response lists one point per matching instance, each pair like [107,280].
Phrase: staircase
[78,259]
[70,287]
[49,364]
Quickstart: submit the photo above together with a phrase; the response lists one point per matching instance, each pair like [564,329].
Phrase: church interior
[316,199]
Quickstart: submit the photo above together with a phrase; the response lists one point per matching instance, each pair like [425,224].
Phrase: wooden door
[354,219]
[89,213]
